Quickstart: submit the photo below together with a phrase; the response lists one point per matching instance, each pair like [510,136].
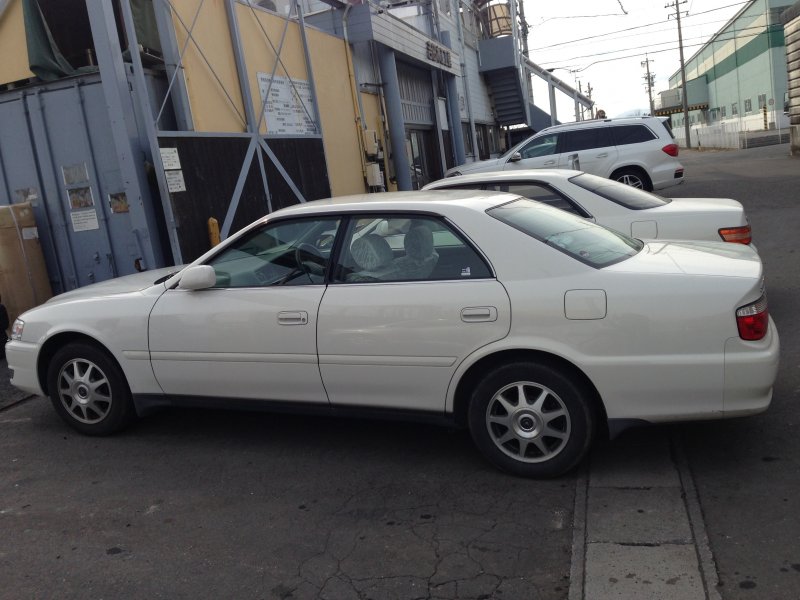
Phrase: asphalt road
[211,504]
[747,471]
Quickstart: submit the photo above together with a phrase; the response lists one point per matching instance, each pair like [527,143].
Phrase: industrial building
[735,83]
[128,124]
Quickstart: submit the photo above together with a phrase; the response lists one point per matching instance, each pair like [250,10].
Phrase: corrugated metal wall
[478,92]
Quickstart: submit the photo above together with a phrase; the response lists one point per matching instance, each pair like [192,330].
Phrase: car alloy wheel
[89,390]
[528,422]
[84,390]
[631,180]
[532,419]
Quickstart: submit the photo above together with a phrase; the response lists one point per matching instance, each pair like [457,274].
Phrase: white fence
[739,133]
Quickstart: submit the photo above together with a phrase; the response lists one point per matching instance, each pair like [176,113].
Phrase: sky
[621,34]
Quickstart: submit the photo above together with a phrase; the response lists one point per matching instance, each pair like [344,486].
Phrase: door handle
[292,317]
[603,155]
[478,314]
[550,162]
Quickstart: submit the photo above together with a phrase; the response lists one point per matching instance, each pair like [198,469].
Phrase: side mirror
[199,277]
[515,157]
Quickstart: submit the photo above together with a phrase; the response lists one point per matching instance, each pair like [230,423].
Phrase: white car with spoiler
[535,329]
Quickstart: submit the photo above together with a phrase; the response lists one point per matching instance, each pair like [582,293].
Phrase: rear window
[632,134]
[617,192]
[591,244]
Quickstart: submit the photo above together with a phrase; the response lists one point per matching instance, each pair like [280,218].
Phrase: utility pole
[685,103]
[650,80]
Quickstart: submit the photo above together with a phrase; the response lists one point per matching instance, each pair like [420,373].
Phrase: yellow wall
[212,111]
[13,50]
[211,108]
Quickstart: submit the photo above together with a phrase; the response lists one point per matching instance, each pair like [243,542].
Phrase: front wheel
[531,420]
[89,390]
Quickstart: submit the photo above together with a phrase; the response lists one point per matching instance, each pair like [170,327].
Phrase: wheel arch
[58,341]
[639,169]
[468,381]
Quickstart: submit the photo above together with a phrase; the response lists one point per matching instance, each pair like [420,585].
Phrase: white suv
[640,152]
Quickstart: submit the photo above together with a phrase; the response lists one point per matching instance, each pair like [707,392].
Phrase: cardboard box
[24,282]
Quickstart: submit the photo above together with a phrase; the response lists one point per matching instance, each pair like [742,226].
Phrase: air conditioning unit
[370,141]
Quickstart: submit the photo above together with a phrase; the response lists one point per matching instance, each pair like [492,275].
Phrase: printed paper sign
[289,110]
[170,158]
[84,220]
[175,181]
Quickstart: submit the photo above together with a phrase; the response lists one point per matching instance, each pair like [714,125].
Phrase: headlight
[16,329]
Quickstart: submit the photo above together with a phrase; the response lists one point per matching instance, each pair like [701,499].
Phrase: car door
[539,152]
[594,147]
[253,335]
[406,305]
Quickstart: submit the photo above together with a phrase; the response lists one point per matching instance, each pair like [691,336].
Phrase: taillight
[737,235]
[671,149]
[753,319]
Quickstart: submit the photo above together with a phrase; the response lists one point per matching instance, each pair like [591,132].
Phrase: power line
[599,35]
[761,28]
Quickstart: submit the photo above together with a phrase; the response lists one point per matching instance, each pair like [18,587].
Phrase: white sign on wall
[289,109]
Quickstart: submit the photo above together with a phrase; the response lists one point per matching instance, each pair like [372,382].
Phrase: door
[538,153]
[594,148]
[409,301]
[421,158]
[253,335]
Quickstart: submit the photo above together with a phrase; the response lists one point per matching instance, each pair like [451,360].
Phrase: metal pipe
[241,66]
[394,112]
[121,113]
[465,76]
[173,62]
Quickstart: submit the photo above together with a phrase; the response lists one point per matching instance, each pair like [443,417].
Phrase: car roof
[599,122]
[547,175]
[442,201]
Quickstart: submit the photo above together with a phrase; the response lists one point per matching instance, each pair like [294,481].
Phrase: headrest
[419,242]
[371,252]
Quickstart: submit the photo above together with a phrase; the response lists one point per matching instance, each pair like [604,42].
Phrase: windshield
[583,240]
[617,192]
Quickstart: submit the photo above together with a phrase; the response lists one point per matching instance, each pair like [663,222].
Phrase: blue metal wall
[56,150]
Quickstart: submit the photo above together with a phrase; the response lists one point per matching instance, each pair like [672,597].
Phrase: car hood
[120,285]
[702,205]
[474,167]
[720,259]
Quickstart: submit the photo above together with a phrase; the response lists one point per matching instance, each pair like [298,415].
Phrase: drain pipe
[360,126]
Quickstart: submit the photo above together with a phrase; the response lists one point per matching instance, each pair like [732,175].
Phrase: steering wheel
[309,260]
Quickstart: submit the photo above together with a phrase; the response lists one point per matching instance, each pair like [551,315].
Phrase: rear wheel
[531,420]
[634,178]
[89,390]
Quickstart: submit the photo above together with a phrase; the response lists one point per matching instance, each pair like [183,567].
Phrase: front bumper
[22,358]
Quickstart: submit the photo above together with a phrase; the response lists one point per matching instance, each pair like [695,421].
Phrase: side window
[632,134]
[539,193]
[586,139]
[292,252]
[406,248]
[541,146]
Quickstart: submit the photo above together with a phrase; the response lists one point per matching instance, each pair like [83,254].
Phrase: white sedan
[534,328]
[634,212]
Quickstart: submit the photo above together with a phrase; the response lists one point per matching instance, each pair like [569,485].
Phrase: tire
[634,178]
[89,390]
[546,436]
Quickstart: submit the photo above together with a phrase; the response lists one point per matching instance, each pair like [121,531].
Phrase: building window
[762,101]
[734,109]
[748,105]
[467,135]
[722,111]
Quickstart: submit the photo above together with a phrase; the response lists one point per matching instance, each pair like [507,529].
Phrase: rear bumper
[22,358]
[665,176]
[750,371]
